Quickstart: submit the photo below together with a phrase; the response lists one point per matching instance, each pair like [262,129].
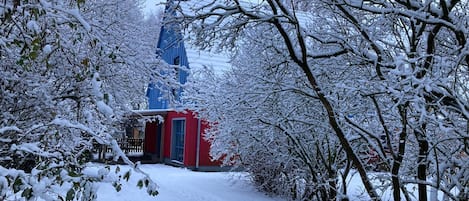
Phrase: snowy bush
[69,71]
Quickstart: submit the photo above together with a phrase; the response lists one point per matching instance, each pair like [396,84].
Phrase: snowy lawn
[178,184]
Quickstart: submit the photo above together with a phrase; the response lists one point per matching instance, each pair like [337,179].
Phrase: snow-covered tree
[269,122]
[69,72]
[383,77]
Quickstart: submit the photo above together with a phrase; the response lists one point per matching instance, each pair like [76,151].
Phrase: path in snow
[178,184]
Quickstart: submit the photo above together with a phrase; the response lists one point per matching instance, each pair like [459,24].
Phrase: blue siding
[170,46]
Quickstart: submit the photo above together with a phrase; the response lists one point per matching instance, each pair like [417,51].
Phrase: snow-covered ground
[178,184]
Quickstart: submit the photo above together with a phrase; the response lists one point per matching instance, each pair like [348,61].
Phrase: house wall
[204,157]
[171,49]
[171,46]
[190,141]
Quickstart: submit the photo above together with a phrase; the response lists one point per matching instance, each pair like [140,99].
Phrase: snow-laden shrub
[69,71]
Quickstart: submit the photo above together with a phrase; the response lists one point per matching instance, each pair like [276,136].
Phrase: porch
[141,138]
[133,148]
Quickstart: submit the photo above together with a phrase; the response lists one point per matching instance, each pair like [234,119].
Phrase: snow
[104,109]
[45,4]
[201,60]
[76,13]
[178,184]
[47,49]
[67,123]
[33,26]
[9,128]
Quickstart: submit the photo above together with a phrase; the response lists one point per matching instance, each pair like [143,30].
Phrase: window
[176,69]
[177,62]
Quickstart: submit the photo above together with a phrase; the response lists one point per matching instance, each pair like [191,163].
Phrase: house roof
[202,59]
[217,61]
[149,112]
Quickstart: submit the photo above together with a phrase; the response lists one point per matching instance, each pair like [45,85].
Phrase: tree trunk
[302,62]
[400,154]
[422,164]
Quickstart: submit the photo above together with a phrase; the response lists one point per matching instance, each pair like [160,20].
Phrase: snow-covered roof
[213,59]
[202,59]
[149,112]
[218,61]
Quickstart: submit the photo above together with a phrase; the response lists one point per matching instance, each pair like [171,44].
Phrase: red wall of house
[190,140]
[205,159]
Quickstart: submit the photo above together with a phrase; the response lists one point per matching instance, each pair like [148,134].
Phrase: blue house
[171,49]
[178,140]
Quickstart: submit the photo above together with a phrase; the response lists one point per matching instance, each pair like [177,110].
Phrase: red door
[150,137]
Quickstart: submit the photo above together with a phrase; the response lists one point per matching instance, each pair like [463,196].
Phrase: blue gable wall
[171,49]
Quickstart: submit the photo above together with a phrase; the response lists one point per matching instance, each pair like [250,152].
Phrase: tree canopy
[319,87]
[70,70]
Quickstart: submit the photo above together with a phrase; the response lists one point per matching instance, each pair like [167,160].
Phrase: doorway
[177,140]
